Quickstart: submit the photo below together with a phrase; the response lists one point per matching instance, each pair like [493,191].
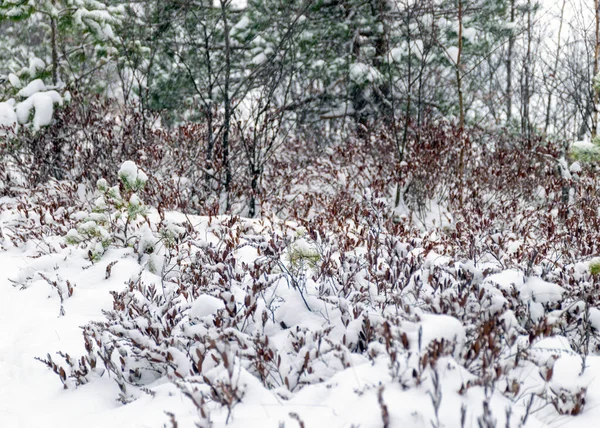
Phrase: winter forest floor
[32,396]
[473,302]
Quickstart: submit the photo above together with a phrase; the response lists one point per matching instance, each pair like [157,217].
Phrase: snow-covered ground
[32,396]
[30,327]
[388,381]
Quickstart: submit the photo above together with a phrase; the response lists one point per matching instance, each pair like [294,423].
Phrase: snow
[34,332]
[36,65]
[397,54]
[350,397]
[441,327]
[452,53]
[130,173]
[541,291]
[8,117]
[33,87]
[233,4]
[470,34]
[35,322]
[240,26]
[584,145]
[259,59]
[417,48]
[42,103]
[14,80]
[205,306]
[361,73]
[533,288]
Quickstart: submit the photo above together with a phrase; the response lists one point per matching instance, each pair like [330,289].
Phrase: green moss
[595,267]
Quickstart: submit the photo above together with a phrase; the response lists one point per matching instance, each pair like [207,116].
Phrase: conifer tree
[72,37]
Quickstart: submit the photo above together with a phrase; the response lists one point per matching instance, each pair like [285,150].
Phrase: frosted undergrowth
[247,314]
[364,321]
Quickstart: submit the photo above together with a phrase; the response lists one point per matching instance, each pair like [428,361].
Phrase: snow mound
[42,104]
[8,118]
[541,291]
[33,87]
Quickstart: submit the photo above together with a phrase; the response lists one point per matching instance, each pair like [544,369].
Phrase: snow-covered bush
[37,106]
[83,143]
[30,103]
[36,109]
[8,119]
[41,215]
[117,216]
[499,293]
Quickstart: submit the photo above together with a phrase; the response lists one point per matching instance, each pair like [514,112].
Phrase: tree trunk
[596,52]
[555,70]
[401,145]
[461,108]
[54,37]
[209,113]
[226,106]
[254,192]
[526,90]
[509,59]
